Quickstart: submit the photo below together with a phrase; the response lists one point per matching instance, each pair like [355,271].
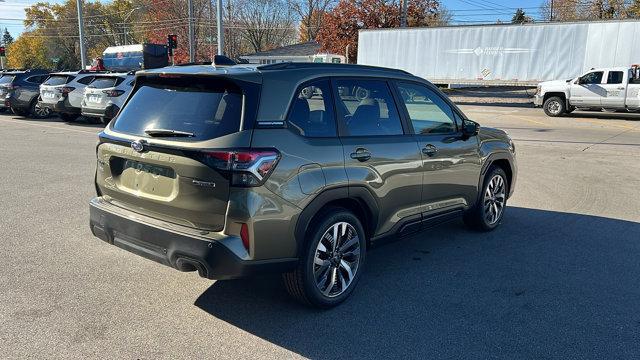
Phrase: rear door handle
[429,150]
[361,154]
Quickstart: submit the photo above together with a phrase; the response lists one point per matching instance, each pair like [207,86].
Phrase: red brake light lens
[244,235]
[113,93]
[66,89]
[248,168]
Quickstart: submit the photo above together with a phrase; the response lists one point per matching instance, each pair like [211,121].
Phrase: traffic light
[172,41]
[2,51]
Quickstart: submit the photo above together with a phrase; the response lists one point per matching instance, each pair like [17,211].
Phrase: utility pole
[192,42]
[220,30]
[403,16]
[210,27]
[551,12]
[83,58]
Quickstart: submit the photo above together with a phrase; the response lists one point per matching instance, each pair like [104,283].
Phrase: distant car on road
[63,92]
[20,91]
[104,96]
[234,171]
[607,88]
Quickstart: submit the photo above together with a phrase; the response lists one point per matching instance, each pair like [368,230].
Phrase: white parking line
[46,126]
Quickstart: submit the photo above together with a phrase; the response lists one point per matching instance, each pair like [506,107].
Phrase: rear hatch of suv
[98,93]
[52,90]
[168,154]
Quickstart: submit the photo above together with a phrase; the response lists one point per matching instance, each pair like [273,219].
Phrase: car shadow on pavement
[543,284]
[605,115]
[80,122]
[493,103]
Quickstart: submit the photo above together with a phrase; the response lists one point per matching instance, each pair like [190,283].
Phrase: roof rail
[312,65]
[195,63]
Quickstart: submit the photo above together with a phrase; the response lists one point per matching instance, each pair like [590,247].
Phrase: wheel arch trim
[361,195]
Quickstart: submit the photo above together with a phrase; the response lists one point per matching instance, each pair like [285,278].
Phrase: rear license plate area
[143,178]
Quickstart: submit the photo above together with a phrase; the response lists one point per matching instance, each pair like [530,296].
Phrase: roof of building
[302,49]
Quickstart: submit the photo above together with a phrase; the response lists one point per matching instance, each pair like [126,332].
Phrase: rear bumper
[91,112]
[61,106]
[108,112]
[185,252]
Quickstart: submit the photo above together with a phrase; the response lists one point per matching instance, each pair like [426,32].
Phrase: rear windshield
[205,108]
[6,79]
[105,82]
[57,80]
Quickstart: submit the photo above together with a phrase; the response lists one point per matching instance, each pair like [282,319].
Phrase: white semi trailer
[502,54]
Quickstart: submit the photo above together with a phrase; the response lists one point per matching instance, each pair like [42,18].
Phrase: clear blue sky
[474,11]
[463,11]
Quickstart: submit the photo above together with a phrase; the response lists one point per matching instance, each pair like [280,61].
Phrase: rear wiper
[167,132]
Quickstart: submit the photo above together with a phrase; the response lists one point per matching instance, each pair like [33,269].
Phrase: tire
[38,112]
[19,112]
[554,106]
[349,259]
[68,117]
[482,216]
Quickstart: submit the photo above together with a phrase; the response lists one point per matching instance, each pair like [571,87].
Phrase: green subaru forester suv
[234,171]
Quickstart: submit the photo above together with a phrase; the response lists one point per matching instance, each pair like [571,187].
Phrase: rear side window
[58,80]
[312,111]
[205,108]
[86,80]
[6,79]
[366,108]
[105,82]
[615,77]
[38,79]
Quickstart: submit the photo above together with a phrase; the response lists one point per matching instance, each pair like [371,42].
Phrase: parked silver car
[105,95]
[62,92]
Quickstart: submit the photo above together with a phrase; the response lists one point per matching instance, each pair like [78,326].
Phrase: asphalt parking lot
[559,279]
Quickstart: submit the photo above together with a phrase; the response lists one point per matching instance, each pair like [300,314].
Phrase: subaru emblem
[137,145]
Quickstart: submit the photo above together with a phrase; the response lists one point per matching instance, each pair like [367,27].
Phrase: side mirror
[470,128]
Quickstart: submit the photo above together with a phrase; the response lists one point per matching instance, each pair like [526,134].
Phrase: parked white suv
[608,88]
[62,92]
[105,95]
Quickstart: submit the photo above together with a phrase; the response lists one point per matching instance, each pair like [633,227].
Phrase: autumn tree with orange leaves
[341,25]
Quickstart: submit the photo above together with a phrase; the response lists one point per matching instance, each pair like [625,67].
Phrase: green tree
[520,17]
[7,39]
[28,51]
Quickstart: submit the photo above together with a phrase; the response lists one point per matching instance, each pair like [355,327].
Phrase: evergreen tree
[7,39]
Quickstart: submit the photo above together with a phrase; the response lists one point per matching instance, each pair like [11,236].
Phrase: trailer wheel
[554,106]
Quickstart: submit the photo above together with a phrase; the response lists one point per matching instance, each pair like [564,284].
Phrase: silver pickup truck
[607,88]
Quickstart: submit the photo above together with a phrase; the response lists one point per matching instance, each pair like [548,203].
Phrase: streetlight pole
[83,58]
[220,30]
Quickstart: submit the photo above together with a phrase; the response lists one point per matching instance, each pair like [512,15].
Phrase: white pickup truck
[610,89]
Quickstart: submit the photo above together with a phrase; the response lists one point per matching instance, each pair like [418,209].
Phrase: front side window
[197,110]
[428,112]
[366,108]
[591,78]
[615,77]
[312,112]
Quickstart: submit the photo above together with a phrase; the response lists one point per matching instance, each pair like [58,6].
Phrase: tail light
[66,90]
[246,167]
[113,93]
[244,235]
